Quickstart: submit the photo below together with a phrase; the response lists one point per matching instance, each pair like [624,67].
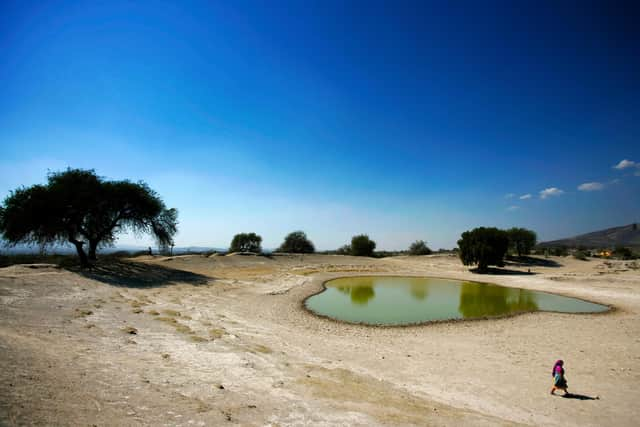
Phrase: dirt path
[224,340]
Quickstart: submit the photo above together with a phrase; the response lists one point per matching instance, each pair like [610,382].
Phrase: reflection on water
[402,300]
[487,300]
[418,290]
[362,294]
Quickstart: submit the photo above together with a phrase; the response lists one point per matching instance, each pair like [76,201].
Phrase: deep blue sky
[401,120]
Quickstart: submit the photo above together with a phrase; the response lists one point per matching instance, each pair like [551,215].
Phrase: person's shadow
[580,396]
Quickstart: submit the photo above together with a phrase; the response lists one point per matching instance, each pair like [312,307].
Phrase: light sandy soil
[225,340]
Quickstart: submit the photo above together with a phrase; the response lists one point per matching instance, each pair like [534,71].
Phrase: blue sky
[401,120]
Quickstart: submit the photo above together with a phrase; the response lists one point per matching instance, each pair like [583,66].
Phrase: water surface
[406,300]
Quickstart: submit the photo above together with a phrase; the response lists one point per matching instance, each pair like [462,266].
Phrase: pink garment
[557,367]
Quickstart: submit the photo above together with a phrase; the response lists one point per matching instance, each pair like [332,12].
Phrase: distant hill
[628,235]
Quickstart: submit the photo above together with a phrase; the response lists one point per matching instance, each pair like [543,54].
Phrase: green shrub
[581,255]
[361,245]
[297,243]
[419,247]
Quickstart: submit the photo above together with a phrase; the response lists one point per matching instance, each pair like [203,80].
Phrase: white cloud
[551,191]
[525,196]
[591,186]
[509,196]
[624,164]
[513,208]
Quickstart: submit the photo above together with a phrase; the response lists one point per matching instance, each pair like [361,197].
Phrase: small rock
[221,387]
[130,330]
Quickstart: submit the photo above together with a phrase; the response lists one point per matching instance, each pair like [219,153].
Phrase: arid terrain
[224,340]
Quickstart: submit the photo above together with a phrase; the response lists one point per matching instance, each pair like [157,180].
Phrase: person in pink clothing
[559,380]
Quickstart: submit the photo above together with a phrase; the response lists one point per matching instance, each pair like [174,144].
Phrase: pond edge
[323,281]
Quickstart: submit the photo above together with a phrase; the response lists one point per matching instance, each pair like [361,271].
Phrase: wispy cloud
[625,164]
[591,186]
[513,208]
[549,192]
[509,196]
[525,196]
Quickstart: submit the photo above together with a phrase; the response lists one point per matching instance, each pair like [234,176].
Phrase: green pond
[407,300]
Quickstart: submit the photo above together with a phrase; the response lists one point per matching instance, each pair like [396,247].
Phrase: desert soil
[224,340]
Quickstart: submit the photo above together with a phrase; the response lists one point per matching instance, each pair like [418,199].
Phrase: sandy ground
[199,341]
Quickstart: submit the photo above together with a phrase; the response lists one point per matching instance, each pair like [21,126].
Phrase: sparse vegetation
[246,242]
[297,243]
[557,251]
[419,247]
[581,255]
[216,333]
[622,252]
[343,250]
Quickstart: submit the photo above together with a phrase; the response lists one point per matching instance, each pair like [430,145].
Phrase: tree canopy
[246,242]
[521,240]
[484,246]
[361,245]
[419,247]
[79,207]
[297,243]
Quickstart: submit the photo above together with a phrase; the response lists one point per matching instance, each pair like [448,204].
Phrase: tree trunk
[93,245]
[482,267]
[84,261]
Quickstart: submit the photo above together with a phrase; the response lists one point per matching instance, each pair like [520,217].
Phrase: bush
[484,246]
[419,247]
[558,251]
[361,245]
[297,243]
[581,255]
[344,250]
[622,253]
[246,242]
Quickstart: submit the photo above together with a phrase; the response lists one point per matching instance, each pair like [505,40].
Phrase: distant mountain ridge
[627,235]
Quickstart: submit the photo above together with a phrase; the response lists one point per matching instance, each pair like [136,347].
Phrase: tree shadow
[580,396]
[139,275]
[528,261]
[502,272]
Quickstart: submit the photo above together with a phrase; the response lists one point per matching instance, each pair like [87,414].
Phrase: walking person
[559,380]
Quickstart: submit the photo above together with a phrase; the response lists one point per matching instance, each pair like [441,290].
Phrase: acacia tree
[246,242]
[484,246]
[521,240]
[81,208]
[297,243]
[362,245]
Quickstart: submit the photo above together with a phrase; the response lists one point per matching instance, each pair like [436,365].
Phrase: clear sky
[401,120]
